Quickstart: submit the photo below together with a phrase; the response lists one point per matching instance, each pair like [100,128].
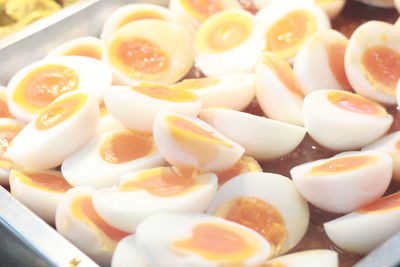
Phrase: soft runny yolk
[245,164]
[387,203]
[356,103]
[201,9]
[7,134]
[195,84]
[336,51]
[43,180]
[86,50]
[125,146]
[4,111]
[343,164]
[42,85]
[165,93]
[139,15]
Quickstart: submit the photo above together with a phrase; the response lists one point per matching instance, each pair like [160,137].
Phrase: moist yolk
[4,111]
[165,93]
[387,203]
[245,164]
[42,180]
[41,86]
[336,53]
[286,36]
[274,264]
[126,146]
[60,111]
[143,14]
[82,208]
[195,84]
[162,182]
[258,215]
[7,134]
[85,51]
[201,9]
[217,242]
[228,35]
[344,164]
[381,66]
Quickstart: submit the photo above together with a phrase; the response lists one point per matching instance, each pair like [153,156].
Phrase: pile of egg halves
[137,166]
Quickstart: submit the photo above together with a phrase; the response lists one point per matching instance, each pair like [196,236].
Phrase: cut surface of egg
[341,120]
[288,24]
[186,141]
[40,191]
[136,106]
[4,110]
[363,230]
[227,42]
[59,130]
[262,138]
[147,51]
[277,90]
[235,91]
[142,194]
[307,258]
[319,64]
[102,160]
[372,61]
[243,165]
[344,182]
[34,87]
[126,254]
[78,221]
[87,46]
[199,240]
[267,203]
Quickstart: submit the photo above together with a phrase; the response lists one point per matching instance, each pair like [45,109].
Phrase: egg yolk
[381,66]
[165,93]
[287,35]
[397,145]
[356,103]
[139,15]
[42,85]
[201,9]
[245,164]
[82,208]
[125,146]
[7,134]
[85,50]
[217,242]
[258,215]
[4,111]
[103,109]
[196,84]
[161,182]
[283,71]
[336,51]
[139,58]
[60,111]
[387,203]
[43,180]
[343,164]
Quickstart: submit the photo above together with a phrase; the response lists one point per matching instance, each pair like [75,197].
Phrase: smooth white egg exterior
[397,4]
[308,258]
[65,47]
[126,254]
[262,138]
[331,8]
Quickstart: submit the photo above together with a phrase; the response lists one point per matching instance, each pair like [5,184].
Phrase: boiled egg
[87,46]
[319,64]
[147,51]
[78,221]
[344,182]
[235,91]
[267,203]
[199,240]
[288,24]
[107,122]
[186,141]
[331,7]
[142,194]
[341,120]
[262,138]
[372,61]
[59,130]
[34,87]
[4,110]
[228,42]
[39,190]
[397,4]
[243,165]
[102,160]
[366,228]
[307,258]
[379,3]
[126,254]
[277,90]
[135,107]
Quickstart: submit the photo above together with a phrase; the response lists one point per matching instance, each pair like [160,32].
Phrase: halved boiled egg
[397,4]
[87,46]
[126,254]
[4,111]
[147,51]
[372,61]
[107,123]
[243,165]
[277,90]
[102,160]
[186,141]
[78,221]
[136,106]
[307,258]
[262,138]
[235,91]
[142,194]
[344,182]
[267,203]
[199,240]
[228,42]
[331,7]
[319,64]
[39,190]
[59,130]
[34,87]
[379,3]
[341,120]
[288,24]
[367,227]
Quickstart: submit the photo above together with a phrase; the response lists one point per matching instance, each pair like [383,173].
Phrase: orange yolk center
[42,180]
[201,9]
[7,134]
[60,111]
[41,86]
[139,15]
[195,84]
[126,146]
[165,93]
[336,53]
[387,203]
[343,164]
[4,111]
[85,50]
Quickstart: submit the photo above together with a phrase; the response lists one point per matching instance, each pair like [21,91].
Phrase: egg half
[307,258]
[126,254]
[87,46]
